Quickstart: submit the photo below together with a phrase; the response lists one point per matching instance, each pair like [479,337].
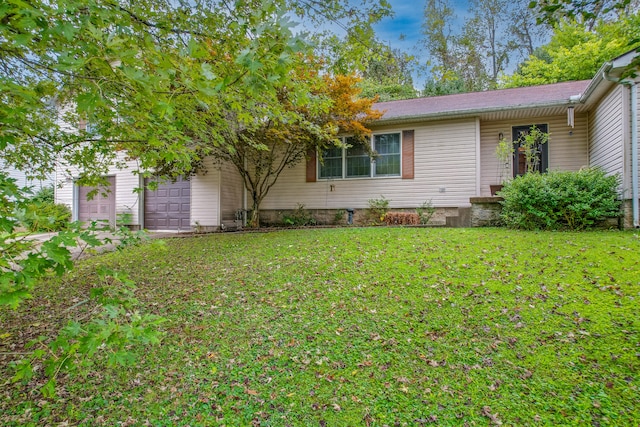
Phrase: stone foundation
[485,211]
[627,214]
[443,216]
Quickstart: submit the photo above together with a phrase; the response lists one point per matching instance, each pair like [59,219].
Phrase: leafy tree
[440,41]
[135,70]
[437,88]
[388,77]
[474,58]
[528,34]
[263,148]
[575,53]
[586,12]
[353,45]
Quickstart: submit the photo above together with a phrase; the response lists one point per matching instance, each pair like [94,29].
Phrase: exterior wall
[445,173]
[629,157]
[23,181]
[567,146]
[127,200]
[607,133]
[205,197]
[441,217]
[232,192]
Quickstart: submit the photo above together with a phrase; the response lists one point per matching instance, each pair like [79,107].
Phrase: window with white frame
[355,162]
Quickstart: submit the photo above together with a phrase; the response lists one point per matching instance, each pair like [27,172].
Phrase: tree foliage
[389,76]
[262,151]
[586,12]
[135,71]
[575,53]
[494,35]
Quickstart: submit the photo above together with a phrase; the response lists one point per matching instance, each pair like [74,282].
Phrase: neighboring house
[437,149]
[23,181]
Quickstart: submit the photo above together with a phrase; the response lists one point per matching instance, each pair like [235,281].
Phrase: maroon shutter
[311,165]
[407,154]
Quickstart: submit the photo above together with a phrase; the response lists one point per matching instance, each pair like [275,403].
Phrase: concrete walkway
[81,251]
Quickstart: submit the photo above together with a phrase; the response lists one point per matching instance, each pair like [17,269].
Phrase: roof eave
[469,113]
[595,82]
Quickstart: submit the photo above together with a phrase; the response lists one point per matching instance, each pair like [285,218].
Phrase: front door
[519,158]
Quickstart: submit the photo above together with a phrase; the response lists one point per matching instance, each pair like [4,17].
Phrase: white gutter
[468,113]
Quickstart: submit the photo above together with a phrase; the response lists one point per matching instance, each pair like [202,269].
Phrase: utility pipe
[634,151]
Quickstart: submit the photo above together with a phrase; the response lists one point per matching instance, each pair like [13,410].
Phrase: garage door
[168,207]
[102,207]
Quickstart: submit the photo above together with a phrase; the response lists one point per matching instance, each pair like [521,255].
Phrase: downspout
[244,199]
[220,225]
[634,151]
[633,85]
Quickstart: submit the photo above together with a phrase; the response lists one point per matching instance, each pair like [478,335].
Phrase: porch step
[463,219]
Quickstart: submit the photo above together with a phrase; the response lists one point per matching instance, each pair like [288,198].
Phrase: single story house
[438,149]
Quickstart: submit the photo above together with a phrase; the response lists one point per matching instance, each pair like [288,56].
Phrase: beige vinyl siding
[205,196]
[567,146]
[23,181]
[64,187]
[445,159]
[127,200]
[231,192]
[606,133]
[638,121]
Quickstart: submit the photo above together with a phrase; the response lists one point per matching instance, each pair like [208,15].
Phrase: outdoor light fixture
[500,136]
[571,116]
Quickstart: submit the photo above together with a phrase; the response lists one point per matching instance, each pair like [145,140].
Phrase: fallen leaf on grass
[486,411]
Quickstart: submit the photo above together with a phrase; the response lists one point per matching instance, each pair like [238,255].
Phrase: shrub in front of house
[560,200]
[42,214]
[401,218]
[45,217]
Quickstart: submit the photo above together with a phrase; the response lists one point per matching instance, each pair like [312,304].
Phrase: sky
[404,29]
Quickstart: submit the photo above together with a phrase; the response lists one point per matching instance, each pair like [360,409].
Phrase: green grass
[358,326]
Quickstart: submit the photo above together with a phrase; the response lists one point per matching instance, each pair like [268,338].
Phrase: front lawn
[356,327]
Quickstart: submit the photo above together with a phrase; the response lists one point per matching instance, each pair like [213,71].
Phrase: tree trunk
[254,221]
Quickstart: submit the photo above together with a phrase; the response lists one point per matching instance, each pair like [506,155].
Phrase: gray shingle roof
[476,102]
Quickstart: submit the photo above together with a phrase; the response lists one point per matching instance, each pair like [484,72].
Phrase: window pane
[357,150]
[358,166]
[332,152]
[388,148]
[332,167]
[387,144]
[388,165]
[358,160]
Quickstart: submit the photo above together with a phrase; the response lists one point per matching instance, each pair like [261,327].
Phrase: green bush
[425,211]
[377,210]
[45,216]
[560,200]
[43,195]
[299,217]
